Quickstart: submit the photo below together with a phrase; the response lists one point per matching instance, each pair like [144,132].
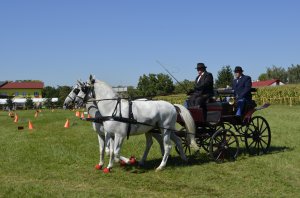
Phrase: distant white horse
[105,140]
[147,115]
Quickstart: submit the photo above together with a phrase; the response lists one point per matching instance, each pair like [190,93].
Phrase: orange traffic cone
[67,124]
[30,126]
[77,114]
[16,118]
[82,115]
[36,114]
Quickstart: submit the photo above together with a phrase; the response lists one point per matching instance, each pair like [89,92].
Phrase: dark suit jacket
[205,84]
[242,87]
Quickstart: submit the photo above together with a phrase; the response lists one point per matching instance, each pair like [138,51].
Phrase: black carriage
[219,135]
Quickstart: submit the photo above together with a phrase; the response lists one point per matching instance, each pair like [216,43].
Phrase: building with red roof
[266,83]
[22,89]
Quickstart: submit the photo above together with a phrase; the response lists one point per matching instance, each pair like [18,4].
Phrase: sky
[61,41]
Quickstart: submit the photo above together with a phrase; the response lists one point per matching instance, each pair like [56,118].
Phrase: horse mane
[107,88]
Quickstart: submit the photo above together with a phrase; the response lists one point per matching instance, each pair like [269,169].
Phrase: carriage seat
[214,112]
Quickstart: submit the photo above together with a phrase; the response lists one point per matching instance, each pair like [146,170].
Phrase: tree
[48,103]
[263,77]
[29,103]
[293,73]
[49,92]
[63,92]
[164,84]
[225,77]
[184,86]
[277,73]
[132,92]
[155,84]
[9,103]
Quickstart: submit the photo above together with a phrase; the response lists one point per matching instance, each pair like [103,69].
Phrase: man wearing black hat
[204,88]
[242,89]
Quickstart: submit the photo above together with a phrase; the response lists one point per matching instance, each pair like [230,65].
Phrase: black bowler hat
[238,69]
[200,66]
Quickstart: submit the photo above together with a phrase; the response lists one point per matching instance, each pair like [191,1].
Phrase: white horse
[105,139]
[148,115]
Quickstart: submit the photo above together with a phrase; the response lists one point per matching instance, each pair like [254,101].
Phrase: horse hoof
[159,169]
[98,167]
[132,160]
[122,163]
[106,170]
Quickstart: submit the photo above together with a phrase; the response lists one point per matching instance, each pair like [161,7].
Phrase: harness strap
[130,117]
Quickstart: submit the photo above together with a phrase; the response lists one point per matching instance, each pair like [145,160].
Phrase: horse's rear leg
[178,143]
[159,139]
[149,143]
[167,148]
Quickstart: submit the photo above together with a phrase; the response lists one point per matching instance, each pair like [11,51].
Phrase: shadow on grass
[195,159]
[173,161]
[272,150]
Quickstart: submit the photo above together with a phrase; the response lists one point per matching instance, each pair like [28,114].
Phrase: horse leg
[158,138]
[101,137]
[101,150]
[107,142]
[178,143]
[167,148]
[149,143]
[115,148]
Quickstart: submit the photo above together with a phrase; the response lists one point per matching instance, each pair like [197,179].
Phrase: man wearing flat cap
[242,89]
[204,88]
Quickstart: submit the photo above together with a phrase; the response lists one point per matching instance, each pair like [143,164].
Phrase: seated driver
[242,89]
[203,90]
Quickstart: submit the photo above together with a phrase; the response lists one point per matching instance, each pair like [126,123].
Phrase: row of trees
[290,75]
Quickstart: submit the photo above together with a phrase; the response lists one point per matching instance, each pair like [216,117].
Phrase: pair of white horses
[102,100]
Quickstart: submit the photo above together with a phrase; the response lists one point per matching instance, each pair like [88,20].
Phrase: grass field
[51,161]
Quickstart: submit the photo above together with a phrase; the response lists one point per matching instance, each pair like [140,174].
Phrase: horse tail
[189,124]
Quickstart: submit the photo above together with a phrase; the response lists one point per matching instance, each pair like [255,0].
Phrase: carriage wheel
[185,145]
[258,136]
[224,145]
[203,140]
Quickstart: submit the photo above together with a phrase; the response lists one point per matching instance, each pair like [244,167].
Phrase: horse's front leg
[101,140]
[115,148]
[107,143]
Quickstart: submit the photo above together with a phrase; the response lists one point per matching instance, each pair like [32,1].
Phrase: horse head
[70,99]
[84,94]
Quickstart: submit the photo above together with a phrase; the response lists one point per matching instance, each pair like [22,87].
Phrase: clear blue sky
[60,41]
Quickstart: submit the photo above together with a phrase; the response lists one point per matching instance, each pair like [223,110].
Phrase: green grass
[51,161]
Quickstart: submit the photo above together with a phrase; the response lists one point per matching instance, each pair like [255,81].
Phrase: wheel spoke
[264,151]
[261,125]
[264,141]
[231,143]
[221,152]
[261,132]
[251,144]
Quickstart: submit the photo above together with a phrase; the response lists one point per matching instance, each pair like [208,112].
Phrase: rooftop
[265,83]
[23,85]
